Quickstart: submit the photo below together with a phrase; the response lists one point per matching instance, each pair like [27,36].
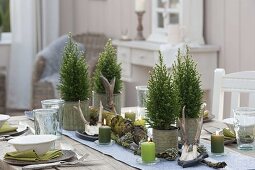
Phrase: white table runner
[234,160]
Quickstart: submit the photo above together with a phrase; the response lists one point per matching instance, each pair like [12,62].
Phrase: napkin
[7,128]
[30,155]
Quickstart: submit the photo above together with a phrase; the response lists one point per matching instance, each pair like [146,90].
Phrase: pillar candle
[217,143]
[104,134]
[139,5]
[130,115]
[148,151]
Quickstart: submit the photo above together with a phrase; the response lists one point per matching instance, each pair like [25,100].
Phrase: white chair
[235,83]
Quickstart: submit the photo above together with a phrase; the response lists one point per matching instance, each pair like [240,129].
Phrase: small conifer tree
[74,80]
[162,98]
[108,66]
[187,80]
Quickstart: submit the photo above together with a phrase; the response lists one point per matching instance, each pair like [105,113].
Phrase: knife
[40,166]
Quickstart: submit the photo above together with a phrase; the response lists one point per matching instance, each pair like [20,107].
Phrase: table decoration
[130,115]
[148,151]
[126,134]
[163,107]
[91,127]
[187,81]
[107,80]
[74,85]
[66,155]
[217,143]
[124,155]
[104,136]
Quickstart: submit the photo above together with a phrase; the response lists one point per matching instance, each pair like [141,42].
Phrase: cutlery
[79,162]
[6,137]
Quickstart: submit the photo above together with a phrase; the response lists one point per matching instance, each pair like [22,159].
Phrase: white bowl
[3,119]
[230,123]
[40,143]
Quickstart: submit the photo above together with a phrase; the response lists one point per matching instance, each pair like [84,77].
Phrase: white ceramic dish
[40,143]
[3,119]
[230,123]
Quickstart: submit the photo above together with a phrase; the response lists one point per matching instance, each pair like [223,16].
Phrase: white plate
[3,119]
[40,143]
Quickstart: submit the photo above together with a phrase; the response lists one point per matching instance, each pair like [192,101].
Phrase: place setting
[37,152]
[9,130]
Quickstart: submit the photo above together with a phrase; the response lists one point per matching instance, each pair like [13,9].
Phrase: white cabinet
[138,57]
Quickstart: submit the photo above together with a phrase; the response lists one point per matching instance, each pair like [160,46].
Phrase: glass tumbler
[45,121]
[244,125]
[141,92]
[58,105]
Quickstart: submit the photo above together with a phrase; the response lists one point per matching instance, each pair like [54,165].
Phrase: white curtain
[27,21]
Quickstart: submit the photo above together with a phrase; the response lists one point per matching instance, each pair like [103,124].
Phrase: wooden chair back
[235,83]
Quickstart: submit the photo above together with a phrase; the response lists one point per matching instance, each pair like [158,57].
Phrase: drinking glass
[58,105]
[244,125]
[45,121]
[141,92]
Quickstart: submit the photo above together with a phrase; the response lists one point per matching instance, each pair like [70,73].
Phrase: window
[5,11]
[177,19]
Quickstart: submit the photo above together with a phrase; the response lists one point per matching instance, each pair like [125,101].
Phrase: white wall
[110,17]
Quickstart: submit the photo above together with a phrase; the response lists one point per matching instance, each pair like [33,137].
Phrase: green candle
[104,134]
[130,115]
[217,143]
[148,151]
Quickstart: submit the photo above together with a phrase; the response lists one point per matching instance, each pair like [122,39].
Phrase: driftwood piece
[109,89]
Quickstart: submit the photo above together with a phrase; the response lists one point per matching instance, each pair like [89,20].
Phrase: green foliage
[1,18]
[187,80]
[5,15]
[107,66]
[74,80]
[162,98]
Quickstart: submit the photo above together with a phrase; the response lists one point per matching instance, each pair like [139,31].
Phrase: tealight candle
[130,115]
[148,151]
[217,143]
[104,134]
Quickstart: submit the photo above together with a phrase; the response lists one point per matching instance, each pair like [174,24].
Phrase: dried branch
[109,89]
[81,113]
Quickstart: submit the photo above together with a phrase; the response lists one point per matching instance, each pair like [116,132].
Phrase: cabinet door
[143,57]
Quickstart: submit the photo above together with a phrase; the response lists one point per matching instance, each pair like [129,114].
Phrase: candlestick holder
[139,28]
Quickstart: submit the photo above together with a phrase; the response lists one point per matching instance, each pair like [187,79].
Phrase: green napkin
[30,155]
[7,128]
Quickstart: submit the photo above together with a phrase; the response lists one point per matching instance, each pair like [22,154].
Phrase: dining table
[119,158]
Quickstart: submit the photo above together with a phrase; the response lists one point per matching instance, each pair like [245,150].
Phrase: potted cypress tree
[1,24]
[162,107]
[108,67]
[74,85]
[187,80]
